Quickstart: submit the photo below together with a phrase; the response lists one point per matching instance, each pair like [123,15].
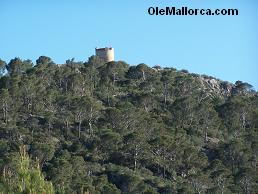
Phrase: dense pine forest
[108,128]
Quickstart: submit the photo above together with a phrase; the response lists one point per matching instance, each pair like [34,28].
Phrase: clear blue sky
[221,46]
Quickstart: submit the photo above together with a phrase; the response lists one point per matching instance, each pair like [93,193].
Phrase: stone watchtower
[107,54]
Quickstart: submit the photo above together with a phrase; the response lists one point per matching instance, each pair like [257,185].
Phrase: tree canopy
[96,127]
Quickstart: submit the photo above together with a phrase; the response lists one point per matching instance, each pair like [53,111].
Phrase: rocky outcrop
[213,85]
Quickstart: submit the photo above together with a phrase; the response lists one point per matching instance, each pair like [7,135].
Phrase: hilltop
[101,127]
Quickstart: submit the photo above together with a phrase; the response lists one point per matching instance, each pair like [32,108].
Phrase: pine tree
[29,178]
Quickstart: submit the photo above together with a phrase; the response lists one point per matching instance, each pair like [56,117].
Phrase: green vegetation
[27,180]
[110,128]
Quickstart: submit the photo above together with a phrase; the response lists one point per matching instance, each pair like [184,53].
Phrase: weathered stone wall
[107,54]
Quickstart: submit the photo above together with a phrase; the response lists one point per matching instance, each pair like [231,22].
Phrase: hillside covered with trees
[110,128]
